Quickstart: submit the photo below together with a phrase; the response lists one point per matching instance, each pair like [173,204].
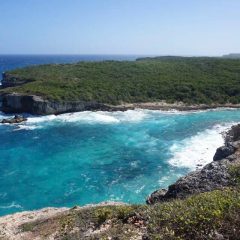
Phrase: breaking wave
[198,150]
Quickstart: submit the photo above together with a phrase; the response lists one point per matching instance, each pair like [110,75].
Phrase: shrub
[191,80]
[198,217]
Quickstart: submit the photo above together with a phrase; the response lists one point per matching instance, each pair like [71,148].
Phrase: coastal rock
[19,103]
[214,175]
[156,196]
[233,135]
[223,152]
[232,143]
[15,119]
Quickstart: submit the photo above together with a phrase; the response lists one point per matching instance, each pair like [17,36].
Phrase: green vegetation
[235,174]
[202,216]
[198,217]
[113,219]
[190,80]
[120,212]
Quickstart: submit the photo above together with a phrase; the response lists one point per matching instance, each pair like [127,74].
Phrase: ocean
[9,62]
[89,157]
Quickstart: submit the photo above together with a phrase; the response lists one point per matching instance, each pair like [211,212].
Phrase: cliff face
[17,103]
[33,104]
[214,175]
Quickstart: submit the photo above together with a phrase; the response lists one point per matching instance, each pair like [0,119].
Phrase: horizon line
[114,54]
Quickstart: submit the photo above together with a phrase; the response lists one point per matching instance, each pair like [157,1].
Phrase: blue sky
[158,27]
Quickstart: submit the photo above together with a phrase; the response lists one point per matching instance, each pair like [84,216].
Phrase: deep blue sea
[9,62]
[89,157]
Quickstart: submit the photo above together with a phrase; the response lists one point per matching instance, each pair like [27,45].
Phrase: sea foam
[198,150]
[12,205]
[93,117]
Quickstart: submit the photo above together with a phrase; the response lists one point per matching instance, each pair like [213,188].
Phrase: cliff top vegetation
[192,80]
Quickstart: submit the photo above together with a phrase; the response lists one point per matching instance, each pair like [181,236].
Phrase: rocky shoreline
[214,175]
[19,103]
[15,119]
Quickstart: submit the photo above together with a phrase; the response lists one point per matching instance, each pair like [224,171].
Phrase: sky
[149,27]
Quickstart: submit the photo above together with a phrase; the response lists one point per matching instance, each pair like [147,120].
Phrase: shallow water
[89,157]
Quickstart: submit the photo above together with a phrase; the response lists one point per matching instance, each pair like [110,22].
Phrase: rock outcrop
[15,119]
[223,152]
[232,138]
[214,175]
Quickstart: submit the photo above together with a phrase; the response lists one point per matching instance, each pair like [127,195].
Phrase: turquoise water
[89,157]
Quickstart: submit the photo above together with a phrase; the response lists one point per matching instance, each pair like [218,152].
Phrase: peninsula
[183,83]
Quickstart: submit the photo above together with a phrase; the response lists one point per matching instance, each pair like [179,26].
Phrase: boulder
[156,196]
[15,119]
[233,134]
[232,143]
[223,152]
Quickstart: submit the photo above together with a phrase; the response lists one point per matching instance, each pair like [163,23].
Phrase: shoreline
[179,106]
[36,105]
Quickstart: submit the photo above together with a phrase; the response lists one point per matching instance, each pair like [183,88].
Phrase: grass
[190,80]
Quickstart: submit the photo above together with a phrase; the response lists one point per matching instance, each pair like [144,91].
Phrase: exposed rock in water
[232,142]
[15,119]
[214,175]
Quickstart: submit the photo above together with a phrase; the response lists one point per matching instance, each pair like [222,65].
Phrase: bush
[198,217]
